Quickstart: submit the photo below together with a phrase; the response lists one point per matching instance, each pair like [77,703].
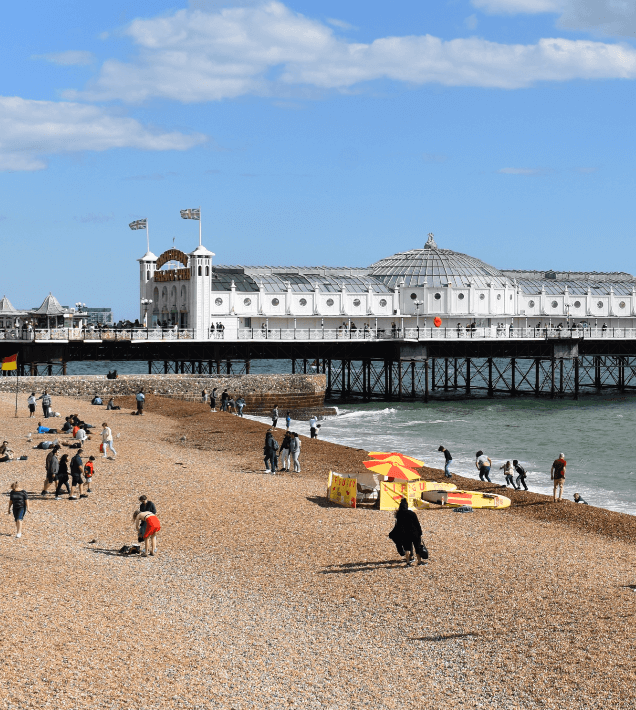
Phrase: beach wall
[301,394]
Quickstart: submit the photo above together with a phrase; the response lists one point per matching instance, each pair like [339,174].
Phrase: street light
[145,302]
[417,305]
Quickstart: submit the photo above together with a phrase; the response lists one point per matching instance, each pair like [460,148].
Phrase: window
[303,301]
[199,271]
[499,297]
[621,304]
[330,301]
[461,296]
[482,296]
[247,301]
[531,304]
[438,296]
[207,270]
[275,301]
[218,302]
[554,304]
[383,302]
[147,275]
[356,301]
[413,296]
[577,304]
[600,304]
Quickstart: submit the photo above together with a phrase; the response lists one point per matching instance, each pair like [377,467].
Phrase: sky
[311,133]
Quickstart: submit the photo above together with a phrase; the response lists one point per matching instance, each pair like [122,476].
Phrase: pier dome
[437,267]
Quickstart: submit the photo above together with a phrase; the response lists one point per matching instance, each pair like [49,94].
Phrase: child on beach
[508,473]
[288,420]
[89,470]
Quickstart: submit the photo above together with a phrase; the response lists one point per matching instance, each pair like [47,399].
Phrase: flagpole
[17,378]
[199,226]
[147,236]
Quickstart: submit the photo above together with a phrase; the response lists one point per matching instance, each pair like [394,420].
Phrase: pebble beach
[263,595]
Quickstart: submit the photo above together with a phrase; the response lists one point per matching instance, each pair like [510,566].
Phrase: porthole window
[438,296]
[330,301]
[247,302]
[482,296]
[461,296]
[275,301]
[621,304]
[413,296]
[499,297]
[218,302]
[554,304]
[383,302]
[356,301]
[303,301]
[531,304]
[600,304]
[577,304]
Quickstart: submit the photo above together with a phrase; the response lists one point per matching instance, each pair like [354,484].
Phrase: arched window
[147,275]
[155,297]
[207,270]
[199,271]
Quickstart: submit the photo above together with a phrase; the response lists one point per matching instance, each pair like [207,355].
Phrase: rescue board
[473,498]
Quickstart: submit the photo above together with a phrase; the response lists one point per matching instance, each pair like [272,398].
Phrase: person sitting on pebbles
[147,525]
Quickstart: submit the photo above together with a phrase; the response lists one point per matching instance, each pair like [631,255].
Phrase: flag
[191,214]
[139,224]
[10,363]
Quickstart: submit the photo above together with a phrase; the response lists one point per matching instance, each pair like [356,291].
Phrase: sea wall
[302,394]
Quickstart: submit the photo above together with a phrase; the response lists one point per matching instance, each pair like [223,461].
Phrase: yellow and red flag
[10,363]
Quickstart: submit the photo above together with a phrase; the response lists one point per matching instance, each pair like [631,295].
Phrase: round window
[330,301]
[554,304]
[600,304]
[303,301]
[275,301]
[499,297]
[218,302]
[482,296]
[438,296]
[531,304]
[247,302]
[413,296]
[461,296]
[356,301]
[577,304]
[621,304]
[383,302]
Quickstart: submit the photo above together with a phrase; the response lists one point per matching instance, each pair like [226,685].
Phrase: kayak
[473,498]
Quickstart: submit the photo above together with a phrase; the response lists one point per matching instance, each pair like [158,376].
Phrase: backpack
[274,445]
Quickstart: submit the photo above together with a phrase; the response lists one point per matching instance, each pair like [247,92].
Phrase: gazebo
[50,314]
[9,314]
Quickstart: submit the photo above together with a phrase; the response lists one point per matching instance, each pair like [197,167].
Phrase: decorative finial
[430,242]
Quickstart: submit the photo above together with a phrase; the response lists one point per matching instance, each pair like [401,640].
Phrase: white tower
[200,291]
[147,267]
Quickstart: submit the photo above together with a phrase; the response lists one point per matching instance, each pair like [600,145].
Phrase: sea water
[596,434]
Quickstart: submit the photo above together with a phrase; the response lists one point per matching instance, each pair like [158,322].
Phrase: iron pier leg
[209,367]
[445,374]
[400,380]
[468,376]
[561,368]
[552,369]
[364,380]
[343,388]
[426,379]
[293,366]
[490,390]
[389,370]
[63,368]
[218,367]
[165,367]
[576,378]
[513,380]
[328,393]
[49,369]
[597,372]
[304,366]
[433,374]
[455,374]
[537,376]
[348,376]
[621,373]
[413,379]
[248,365]
[150,367]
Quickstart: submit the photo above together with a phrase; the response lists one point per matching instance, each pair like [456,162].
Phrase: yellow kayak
[456,498]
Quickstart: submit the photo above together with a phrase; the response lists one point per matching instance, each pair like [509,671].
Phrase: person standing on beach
[52,466]
[62,477]
[19,501]
[204,396]
[147,525]
[224,398]
[31,404]
[141,398]
[448,458]
[285,452]
[508,470]
[557,474]
[89,472]
[269,451]
[146,505]
[107,440]
[294,448]
[288,420]
[483,464]
[213,400]
[240,403]
[46,404]
[312,427]
[407,533]
[275,416]
[77,466]
[521,475]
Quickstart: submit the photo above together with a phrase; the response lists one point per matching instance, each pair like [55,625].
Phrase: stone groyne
[302,394]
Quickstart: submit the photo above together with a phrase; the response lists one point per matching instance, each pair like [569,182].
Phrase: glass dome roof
[438,267]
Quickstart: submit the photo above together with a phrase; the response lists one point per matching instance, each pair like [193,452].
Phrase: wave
[369,413]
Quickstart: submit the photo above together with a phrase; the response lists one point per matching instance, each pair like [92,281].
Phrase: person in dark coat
[270,452]
[407,534]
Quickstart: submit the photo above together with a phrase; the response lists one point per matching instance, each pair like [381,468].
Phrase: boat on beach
[475,499]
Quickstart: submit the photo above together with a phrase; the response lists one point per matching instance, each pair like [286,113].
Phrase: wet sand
[264,596]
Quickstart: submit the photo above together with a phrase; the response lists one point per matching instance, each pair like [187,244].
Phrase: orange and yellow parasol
[400,459]
[392,470]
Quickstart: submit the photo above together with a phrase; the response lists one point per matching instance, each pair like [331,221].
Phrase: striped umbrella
[392,470]
[399,459]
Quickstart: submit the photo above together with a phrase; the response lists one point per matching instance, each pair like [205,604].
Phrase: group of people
[229,403]
[288,450]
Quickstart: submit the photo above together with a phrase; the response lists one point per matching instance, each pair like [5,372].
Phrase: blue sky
[312,133]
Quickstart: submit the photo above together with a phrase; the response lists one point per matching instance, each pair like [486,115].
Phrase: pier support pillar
[445,374]
[389,370]
[597,372]
[304,366]
[513,377]
[552,378]
[293,366]
[490,388]
[455,373]
[328,393]
[537,376]
[426,380]
[468,376]
[621,373]
[576,378]
[433,384]
[561,370]
[248,366]
[413,379]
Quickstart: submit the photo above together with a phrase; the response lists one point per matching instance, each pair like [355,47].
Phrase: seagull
[29,435]
[183,439]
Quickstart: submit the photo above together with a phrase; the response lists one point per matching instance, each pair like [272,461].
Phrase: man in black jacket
[146,505]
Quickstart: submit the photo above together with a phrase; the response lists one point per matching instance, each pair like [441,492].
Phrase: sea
[596,434]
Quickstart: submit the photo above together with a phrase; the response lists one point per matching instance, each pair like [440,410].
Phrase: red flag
[10,363]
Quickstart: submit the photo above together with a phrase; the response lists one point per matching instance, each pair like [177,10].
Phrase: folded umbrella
[392,470]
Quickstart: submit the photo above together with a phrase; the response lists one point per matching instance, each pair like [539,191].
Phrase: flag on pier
[139,224]
[10,363]
[191,214]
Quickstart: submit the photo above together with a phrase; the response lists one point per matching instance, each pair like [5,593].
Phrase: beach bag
[421,550]
[101,448]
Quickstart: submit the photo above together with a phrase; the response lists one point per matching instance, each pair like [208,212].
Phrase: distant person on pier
[521,475]
[578,499]
[31,404]
[557,474]
[141,398]
[508,470]
[294,448]
[448,457]
[483,464]
[604,328]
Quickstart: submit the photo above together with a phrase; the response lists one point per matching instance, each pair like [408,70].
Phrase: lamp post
[417,305]
[145,302]
[79,306]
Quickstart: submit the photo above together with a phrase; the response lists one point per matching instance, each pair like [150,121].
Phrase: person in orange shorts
[147,525]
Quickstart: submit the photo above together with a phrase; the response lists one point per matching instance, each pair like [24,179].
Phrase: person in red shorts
[148,526]
[557,474]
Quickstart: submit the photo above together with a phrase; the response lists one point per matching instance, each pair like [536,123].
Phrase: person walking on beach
[62,477]
[407,534]
[508,470]
[146,505]
[107,440]
[294,448]
[448,458]
[287,420]
[77,466]
[483,464]
[19,501]
[240,403]
[285,452]
[275,416]
[313,430]
[269,451]
[46,404]
[557,474]
[141,398]
[147,525]
[52,466]
[521,475]
[31,401]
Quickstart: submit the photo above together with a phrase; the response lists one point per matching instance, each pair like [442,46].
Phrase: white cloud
[32,130]
[194,56]
[471,22]
[513,7]
[341,24]
[72,57]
